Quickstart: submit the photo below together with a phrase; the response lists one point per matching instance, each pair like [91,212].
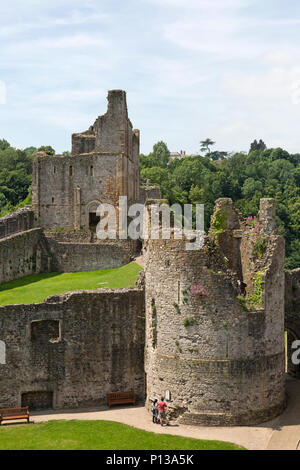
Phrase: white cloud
[77,41]
[2,92]
[210,36]
[75,18]
[273,85]
[200,4]
[71,96]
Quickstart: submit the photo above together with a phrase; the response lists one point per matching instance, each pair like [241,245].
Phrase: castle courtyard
[282,433]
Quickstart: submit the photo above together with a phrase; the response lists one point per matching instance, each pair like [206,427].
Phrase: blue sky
[224,69]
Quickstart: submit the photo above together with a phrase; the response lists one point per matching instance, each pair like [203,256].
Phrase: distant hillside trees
[245,178]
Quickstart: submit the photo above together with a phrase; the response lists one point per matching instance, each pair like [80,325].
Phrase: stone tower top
[267,215]
[103,166]
[111,133]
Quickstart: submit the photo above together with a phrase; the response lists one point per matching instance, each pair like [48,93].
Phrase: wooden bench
[120,398]
[7,414]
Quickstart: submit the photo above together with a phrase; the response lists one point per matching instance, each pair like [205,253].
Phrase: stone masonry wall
[104,165]
[22,254]
[67,189]
[77,347]
[220,356]
[18,221]
[73,257]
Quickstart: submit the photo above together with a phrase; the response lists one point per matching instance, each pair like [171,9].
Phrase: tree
[47,149]
[4,144]
[161,154]
[206,144]
[30,150]
[217,155]
[260,146]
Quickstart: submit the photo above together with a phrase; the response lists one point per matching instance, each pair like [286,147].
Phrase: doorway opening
[94,219]
[37,400]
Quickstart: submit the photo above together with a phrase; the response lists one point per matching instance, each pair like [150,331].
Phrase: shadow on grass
[24,281]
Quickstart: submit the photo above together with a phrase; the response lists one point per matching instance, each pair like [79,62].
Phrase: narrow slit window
[71,171]
[92,171]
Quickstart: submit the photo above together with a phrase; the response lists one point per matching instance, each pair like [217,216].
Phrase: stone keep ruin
[104,165]
[207,326]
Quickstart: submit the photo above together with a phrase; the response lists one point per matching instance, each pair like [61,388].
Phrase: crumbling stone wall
[18,221]
[219,353]
[22,254]
[149,192]
[73,349]
[74,257]
[104,165]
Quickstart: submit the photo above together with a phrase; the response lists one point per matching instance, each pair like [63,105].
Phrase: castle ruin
[206,326]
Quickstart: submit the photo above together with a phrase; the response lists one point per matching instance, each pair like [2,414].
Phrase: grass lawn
[97,435]
[36,287]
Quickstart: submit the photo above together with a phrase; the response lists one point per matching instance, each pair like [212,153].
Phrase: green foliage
[245,178]
[176,306]
[159,157]
[47,149]
[258,145]
[30,150]
[293,258]
[15,176]
[9,208]
[218,155]
[219,222]
[255,299]
[205,145]
[189,321]
[4,144]
[243,302]
[260,246]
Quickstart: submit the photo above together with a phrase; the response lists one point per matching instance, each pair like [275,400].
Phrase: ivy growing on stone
[260,246]
[188,321]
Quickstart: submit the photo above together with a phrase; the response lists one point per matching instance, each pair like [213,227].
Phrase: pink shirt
[162,405]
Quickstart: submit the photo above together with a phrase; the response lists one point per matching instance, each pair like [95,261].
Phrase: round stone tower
[215,322]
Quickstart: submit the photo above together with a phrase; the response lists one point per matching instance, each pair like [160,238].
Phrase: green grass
[97,435]
[36,287]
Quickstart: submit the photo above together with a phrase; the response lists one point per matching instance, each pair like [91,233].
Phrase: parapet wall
[22,254]
[74,257]
[72,349]
[18,221]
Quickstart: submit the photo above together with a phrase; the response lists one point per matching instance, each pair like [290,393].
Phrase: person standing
[162,411]
[155,411]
